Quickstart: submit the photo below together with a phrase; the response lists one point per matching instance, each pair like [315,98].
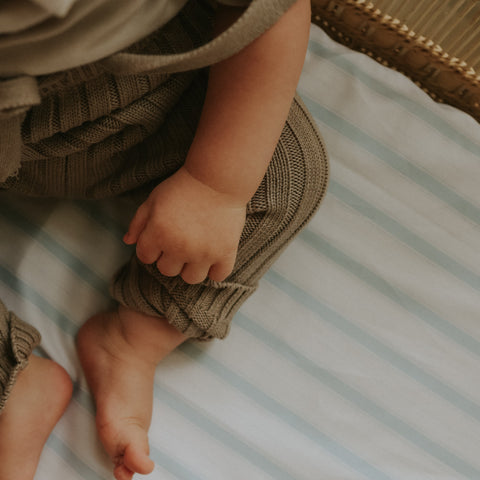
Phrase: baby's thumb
[136,225]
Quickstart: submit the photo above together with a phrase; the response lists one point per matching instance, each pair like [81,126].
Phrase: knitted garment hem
[17,341]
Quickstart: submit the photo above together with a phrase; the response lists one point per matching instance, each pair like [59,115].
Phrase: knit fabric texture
[17,340]
[182,45]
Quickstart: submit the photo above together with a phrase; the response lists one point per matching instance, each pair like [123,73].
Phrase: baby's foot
[119,352]
[37,401]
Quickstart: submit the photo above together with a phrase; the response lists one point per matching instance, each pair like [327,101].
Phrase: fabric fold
[17,96]
[17,341]
[257,18]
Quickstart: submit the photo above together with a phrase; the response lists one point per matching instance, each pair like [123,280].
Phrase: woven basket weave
[436,43]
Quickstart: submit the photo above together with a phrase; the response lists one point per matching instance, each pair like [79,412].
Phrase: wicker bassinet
[436,43]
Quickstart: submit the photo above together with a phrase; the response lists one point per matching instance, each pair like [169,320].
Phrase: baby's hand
[188,229]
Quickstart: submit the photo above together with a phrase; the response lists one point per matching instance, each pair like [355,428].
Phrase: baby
[190,231]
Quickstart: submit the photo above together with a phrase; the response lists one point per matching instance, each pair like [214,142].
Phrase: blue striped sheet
[368,276]
[405,167]
[462,272]
[272,406]
[387,353]
[421,110]
[85,471]
[8,279]
[83,271]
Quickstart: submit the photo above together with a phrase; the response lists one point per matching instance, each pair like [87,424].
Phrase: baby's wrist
[231,197]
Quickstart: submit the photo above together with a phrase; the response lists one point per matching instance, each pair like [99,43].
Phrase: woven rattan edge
[361,27]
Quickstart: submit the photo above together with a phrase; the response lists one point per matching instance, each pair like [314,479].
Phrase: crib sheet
[358,357]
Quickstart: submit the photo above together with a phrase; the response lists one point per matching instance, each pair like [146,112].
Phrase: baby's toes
[127,445]
[121,472]
[133,460]
[136,457]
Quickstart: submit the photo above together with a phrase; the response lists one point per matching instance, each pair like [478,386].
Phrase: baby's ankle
[153,335]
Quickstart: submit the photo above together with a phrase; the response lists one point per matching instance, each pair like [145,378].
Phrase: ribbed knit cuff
[17,341]
[201,311]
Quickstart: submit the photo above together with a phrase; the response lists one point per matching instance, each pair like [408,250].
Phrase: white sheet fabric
[358,358]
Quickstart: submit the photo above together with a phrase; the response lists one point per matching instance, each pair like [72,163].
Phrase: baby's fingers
[149,248]
[137,225]
[169,266]
[220,271]
[195,272]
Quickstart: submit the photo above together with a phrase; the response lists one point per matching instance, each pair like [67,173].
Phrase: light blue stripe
[386,91]
[83,398]
[27,292]
[410,369]
[175,402]
[394,160]
[67,258]
[406,236]
[167,462]
[393,293]
[376,411]
[345,455]
[72,460]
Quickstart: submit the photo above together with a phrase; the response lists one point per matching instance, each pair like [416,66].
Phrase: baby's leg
[119,352]
[34,393]
[36,403]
